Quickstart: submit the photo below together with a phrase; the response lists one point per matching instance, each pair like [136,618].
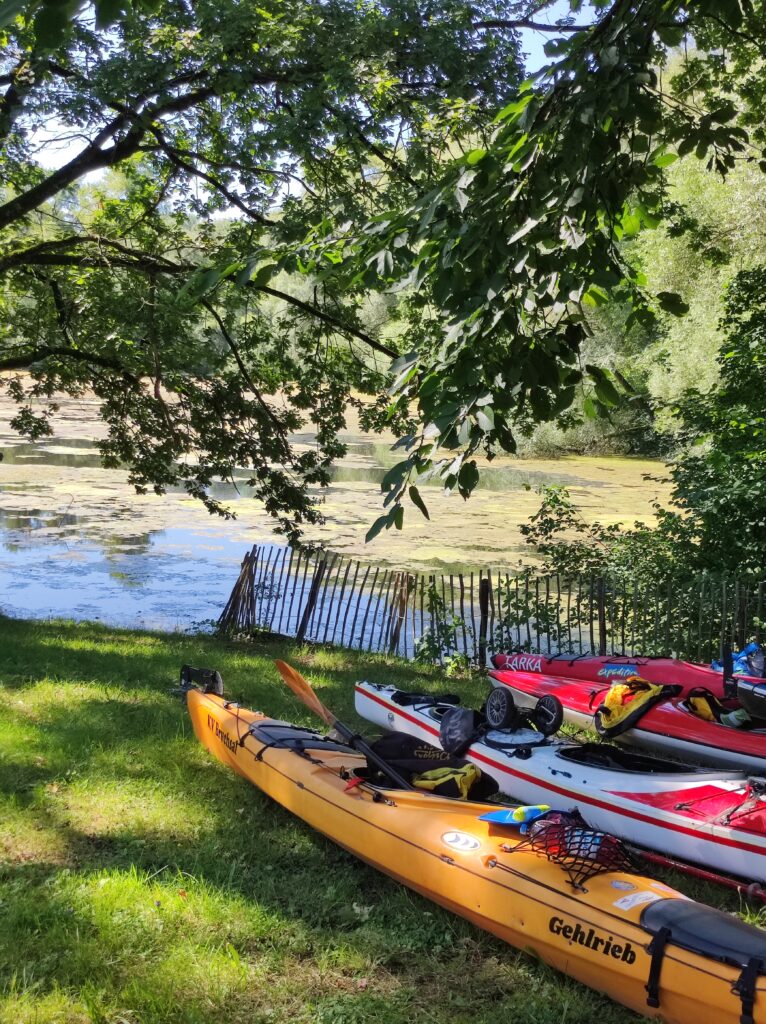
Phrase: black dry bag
[458,730]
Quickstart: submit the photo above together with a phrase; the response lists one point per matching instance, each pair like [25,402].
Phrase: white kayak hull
[615,801]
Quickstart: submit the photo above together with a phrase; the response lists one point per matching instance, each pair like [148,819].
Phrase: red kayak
[669,726]
[606,669]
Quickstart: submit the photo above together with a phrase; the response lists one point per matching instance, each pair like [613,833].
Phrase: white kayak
[711,817]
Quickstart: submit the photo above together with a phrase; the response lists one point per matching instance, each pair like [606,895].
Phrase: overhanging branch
[23,361]
[536,26]
[320,314]
[242,368]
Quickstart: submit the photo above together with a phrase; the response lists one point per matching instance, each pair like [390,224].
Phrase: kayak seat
[606,755]
[707,931]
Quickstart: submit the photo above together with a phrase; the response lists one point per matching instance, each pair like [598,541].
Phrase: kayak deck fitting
[637,940]
[707,816]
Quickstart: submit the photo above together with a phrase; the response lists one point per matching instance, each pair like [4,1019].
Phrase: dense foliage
[265,181]
[716,523]
[171,283]
[524,235]
[719,482]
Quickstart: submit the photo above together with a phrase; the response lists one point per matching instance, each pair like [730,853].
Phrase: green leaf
[631,224]
[557,47]
[665,159]
[403,362]
[51,24]
[395,475]
[468,478]
[486,419]
[416,500]
[515,108]
[384,262]
[108,12]
[429,385]
[377,526]
[670,35]
[264,274]
[475,156]
[530,224]
[607,393]
[595,296]
[10,9]
[590,408]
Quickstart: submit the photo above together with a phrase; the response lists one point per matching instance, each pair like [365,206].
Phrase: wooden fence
[325,598]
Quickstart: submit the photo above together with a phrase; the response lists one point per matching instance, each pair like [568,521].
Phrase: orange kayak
[637,940]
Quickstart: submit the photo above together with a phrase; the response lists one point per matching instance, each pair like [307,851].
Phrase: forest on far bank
[717,229]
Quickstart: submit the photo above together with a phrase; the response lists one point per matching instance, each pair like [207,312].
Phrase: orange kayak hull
[439,848]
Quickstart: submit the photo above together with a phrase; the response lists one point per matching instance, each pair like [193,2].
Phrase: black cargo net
[565,838]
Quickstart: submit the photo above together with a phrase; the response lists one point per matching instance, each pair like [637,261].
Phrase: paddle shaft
[303,689]
[359,744]
[754,889]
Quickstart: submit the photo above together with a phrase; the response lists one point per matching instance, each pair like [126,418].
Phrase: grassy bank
[142,882]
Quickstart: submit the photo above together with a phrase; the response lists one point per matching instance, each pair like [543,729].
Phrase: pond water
[76,541]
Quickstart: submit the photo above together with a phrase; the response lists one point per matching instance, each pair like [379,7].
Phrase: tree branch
[93,158]
[42,254]
[23,362]
[61,310]
[536,26]
[232,197]
[320,314]
[384,158]
[235,166]
[242,368]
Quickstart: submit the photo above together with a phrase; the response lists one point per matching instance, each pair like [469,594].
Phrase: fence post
[312,599]
[602,638]
[402,600]
[483,619]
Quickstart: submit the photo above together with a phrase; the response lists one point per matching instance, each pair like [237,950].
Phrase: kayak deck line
[491,862]
[391,797]
[408,836]
[654,812]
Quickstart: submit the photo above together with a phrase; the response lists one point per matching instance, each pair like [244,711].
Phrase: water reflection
[75,541]
[47,453]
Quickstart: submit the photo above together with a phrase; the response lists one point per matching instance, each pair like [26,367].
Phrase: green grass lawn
[142,882]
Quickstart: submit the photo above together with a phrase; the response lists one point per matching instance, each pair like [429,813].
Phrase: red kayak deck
[713,804]
[667,719]
[604,669]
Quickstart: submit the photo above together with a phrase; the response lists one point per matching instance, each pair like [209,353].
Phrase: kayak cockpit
[617,759]
[708,933]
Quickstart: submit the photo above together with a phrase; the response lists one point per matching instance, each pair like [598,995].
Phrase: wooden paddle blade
[302,689]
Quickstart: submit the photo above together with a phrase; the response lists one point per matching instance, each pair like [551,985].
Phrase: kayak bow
[637,940]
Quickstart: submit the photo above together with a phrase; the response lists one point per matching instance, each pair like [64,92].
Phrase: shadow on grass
[179,892]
